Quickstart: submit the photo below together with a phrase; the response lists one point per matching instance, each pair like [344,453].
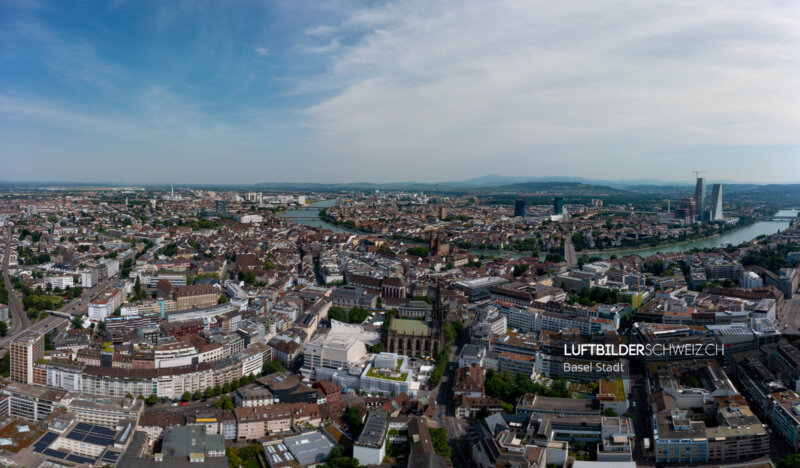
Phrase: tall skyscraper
[519,208]
[558,205]
[700,197]
[24,350]
[716,203]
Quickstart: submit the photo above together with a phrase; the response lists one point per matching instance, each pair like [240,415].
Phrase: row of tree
[355,315]
[510,387]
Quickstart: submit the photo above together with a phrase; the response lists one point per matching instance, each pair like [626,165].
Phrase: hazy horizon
[195,92]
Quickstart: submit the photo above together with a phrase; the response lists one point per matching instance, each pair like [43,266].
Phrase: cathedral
[417,337]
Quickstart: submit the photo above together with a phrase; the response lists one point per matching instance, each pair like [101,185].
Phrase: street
[640,409]
[456,427]
[788,316]
[19,319]
[79,305]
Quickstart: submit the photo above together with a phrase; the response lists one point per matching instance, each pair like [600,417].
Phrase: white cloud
[481,85]
[321,30]
[262,51]
[331,46]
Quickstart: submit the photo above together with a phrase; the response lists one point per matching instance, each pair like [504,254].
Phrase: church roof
[409,327]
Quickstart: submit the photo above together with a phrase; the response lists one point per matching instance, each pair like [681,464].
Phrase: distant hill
[563,188]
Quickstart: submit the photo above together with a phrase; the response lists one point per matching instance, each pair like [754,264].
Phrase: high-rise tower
[25,349]
[558,205]
[716,203]
[700,197]
[519,208]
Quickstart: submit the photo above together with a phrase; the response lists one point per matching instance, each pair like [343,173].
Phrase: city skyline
[346,92]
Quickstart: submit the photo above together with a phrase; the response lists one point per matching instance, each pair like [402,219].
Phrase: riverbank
[735,235]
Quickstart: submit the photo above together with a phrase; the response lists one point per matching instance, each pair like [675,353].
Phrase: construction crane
[697,173]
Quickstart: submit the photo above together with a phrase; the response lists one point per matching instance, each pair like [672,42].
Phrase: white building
[249,218]
[111,265]
[370,448]
[750,279]
[333,351]
[62,282]
[389,374]
[100,309]
[89,278]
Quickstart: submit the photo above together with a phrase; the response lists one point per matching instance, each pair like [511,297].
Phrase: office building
[25,350]
[786,416]
[716,203]
[678,439]
[196,296]
[558,205]
[750,280]
[700,196]
[519,208]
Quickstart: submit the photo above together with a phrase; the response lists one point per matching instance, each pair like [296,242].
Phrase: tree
[378,348]
[152,399]
[352,417]
[186,396]
[170,250]
[140,397]
[208,392]
[609,412]
[234,461]
[247,276]
[439,441]
[418,251]
[224,403]
[337,313]
[341,461]
[77,322]
[129,396]
[197,395]
[3,328]
[357,315]
[790,461]
[272,367]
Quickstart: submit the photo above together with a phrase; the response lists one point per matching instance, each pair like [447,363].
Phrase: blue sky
[245,92]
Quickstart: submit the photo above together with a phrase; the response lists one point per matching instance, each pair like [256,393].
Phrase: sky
[347,91]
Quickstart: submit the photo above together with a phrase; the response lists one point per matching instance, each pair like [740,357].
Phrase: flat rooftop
[375,429]
[309,448]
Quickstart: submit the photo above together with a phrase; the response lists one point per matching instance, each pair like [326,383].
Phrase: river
[310,217]
[735,237]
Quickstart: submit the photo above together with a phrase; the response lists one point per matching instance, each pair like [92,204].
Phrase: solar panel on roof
[80,459]
[49,437]
[103,431]
[83,426]
[111,456]
[55,453]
